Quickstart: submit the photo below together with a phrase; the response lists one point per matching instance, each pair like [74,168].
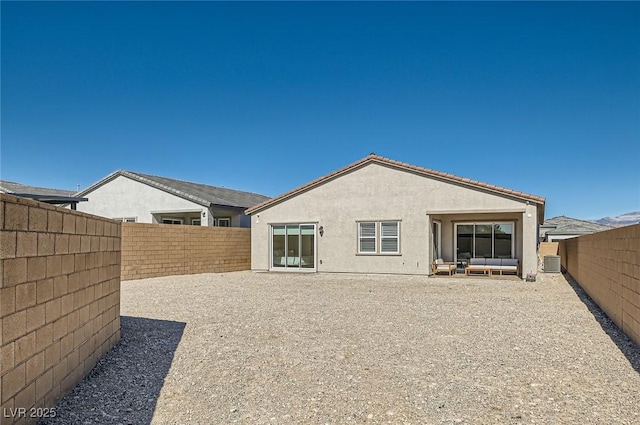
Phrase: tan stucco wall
[123,197]
[377,192]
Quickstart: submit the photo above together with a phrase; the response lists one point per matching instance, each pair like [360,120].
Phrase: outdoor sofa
[490,265]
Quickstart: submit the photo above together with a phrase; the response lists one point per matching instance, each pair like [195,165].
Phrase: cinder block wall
[607,266]
[152,250]
[59,302]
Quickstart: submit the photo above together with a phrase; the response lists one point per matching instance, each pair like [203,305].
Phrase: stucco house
[378,215]
[136,197]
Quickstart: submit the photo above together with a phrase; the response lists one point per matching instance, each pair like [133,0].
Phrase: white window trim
[378,238]
[396,238]
[196,219]
[375,237]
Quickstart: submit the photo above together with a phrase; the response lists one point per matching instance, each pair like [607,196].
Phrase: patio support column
[529,240]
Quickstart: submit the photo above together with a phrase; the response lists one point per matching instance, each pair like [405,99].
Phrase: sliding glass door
[484,240]
[307,246]
[293,246]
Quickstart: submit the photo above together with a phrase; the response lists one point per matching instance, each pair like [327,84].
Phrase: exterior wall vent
[552,264]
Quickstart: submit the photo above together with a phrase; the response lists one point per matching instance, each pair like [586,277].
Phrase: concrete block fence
[59,303]
[152,250]
[607,266]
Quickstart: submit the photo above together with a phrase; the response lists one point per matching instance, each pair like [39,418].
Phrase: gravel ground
[258,348]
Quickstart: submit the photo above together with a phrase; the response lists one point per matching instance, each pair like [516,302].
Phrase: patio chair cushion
[440,266]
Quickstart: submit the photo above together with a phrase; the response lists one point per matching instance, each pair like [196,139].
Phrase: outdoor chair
[440,266]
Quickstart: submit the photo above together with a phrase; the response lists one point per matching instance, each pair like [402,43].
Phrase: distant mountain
[621,220]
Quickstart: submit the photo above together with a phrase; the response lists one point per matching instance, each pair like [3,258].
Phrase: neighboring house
[378,215]
[563,227]
[135,197]
[42,194]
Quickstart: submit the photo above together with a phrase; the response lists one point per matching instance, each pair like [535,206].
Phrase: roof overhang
[72,201]
[51,199]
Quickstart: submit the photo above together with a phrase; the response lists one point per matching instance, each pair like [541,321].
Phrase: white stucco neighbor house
[378,215]
[135,197]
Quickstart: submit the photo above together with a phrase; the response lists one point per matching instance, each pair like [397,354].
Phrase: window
[389,237]
[195,222]
[367,236]
[126,219]
[484,240]
[379,237]
[172,221]
[223,222]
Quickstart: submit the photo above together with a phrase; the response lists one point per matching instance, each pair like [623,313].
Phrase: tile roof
[567,225]
[377,159]
[202,194]
[23,189]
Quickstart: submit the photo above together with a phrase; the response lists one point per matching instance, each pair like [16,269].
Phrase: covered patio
[458,237]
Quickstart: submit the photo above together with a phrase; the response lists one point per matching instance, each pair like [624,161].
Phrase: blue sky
[539,97]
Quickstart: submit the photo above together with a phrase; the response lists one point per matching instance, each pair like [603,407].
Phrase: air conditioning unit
[552,264]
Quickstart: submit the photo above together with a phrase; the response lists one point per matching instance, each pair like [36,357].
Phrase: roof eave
[99,183]
[51,199]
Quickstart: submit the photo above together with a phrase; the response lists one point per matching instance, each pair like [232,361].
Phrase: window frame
[296,267]
[225,219]
[378,237]
[374,237]
[173,220]
[396,237]
[126,219]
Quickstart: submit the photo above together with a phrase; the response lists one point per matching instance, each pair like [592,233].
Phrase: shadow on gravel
[125,385]
[629,348]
